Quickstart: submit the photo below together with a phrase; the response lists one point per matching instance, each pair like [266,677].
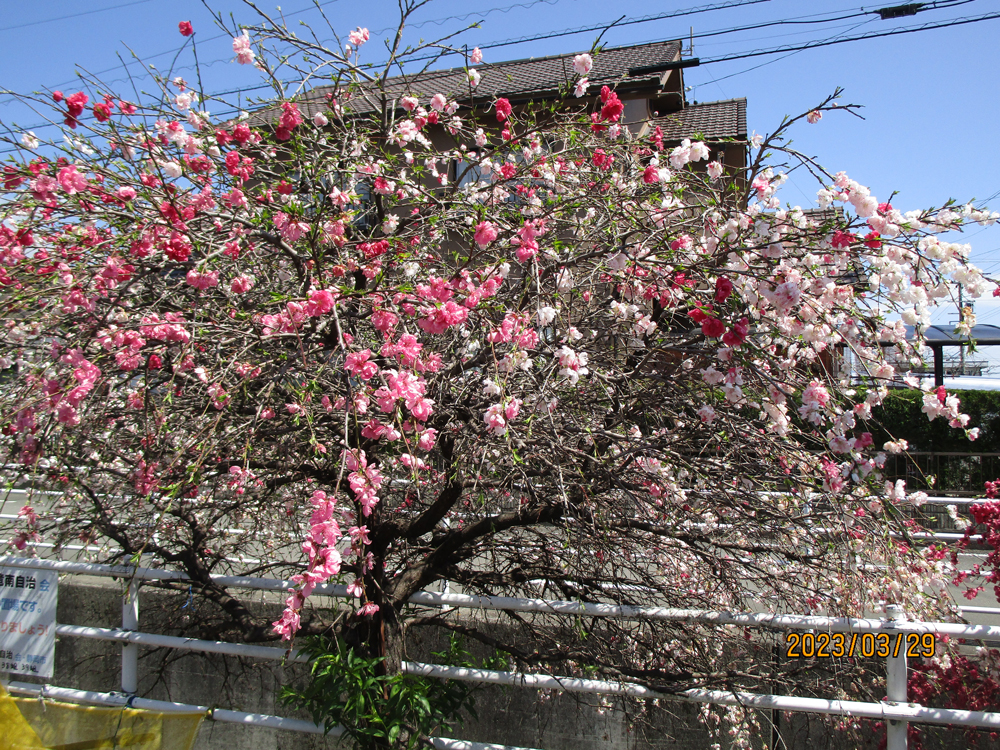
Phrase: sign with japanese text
[28,621]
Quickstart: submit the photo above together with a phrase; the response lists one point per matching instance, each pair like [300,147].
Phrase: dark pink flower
[713,328]
[185,28]
[503,109]
[723,288]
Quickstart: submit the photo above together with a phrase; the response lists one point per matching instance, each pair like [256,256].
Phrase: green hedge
[900,417]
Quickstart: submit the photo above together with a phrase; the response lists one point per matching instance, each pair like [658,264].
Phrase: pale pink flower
[476,57]
[583,63]
[241,284]
[494,419]
[439,102]
[714,170]
[409,103]
[580,87]
[241,46]
[814,116]
[359,36]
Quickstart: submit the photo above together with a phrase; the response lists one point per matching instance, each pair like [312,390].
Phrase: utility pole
[961,319]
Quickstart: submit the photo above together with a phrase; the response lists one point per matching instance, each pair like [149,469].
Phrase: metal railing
[895,710]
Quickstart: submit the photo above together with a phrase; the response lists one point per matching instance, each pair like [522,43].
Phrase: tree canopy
[391,341]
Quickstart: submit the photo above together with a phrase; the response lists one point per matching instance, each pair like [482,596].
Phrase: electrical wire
[874,35]
[166,53]
[723,58]
[614,24]
[73,15]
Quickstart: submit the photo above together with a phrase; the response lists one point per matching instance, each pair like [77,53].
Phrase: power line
[683,12]
[467,16]
[165,53]
[775,60]
[416,25]
[724,58]
[615,24]
[861,37]
[73,15]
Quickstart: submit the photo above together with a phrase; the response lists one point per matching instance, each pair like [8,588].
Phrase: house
[648,78]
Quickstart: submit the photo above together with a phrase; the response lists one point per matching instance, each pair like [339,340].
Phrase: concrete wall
[514,716]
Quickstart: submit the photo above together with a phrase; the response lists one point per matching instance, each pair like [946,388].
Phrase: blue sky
[930,103]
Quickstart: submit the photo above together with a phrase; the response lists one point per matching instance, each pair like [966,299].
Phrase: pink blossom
[185,28]
[241,46]
[476,56]
[72,181]
[320,302]
[384,320]
[439,102]
[440,319]
[486,232]
[580,87]
[723,288]
[512,409]
[503,109]
[358,364]
[359,36]
[583,63]
[494,419]
[241,284]
[427,439]
[202,280]
[290,119]
[713,328]
[814,116]
[409,103]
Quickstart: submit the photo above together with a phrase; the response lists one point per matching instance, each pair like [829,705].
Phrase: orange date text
[868,645]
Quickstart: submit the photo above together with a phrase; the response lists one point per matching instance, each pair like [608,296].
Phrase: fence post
[895,679]
[130,651]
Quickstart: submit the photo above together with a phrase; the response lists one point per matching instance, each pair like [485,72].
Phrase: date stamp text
[838,645]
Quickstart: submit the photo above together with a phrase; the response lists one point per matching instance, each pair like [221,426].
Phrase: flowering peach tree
[378,337]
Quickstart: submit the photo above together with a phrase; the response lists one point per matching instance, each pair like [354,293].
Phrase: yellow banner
[31,724]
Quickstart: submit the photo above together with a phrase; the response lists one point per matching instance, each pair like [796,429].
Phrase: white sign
[28,620]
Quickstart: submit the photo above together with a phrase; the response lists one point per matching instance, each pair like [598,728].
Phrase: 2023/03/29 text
[838,645]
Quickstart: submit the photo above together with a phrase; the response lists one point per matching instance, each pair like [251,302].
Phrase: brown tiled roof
[518,80]
[712,121]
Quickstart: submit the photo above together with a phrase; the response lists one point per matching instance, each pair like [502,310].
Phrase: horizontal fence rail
[544,606]
[570,684]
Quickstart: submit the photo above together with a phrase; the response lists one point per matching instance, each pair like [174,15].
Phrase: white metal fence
[895,710]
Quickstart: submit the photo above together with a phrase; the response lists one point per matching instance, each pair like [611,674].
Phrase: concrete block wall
[513,716]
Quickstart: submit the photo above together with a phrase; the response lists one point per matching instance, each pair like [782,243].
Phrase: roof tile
[711,120]
[519,79]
